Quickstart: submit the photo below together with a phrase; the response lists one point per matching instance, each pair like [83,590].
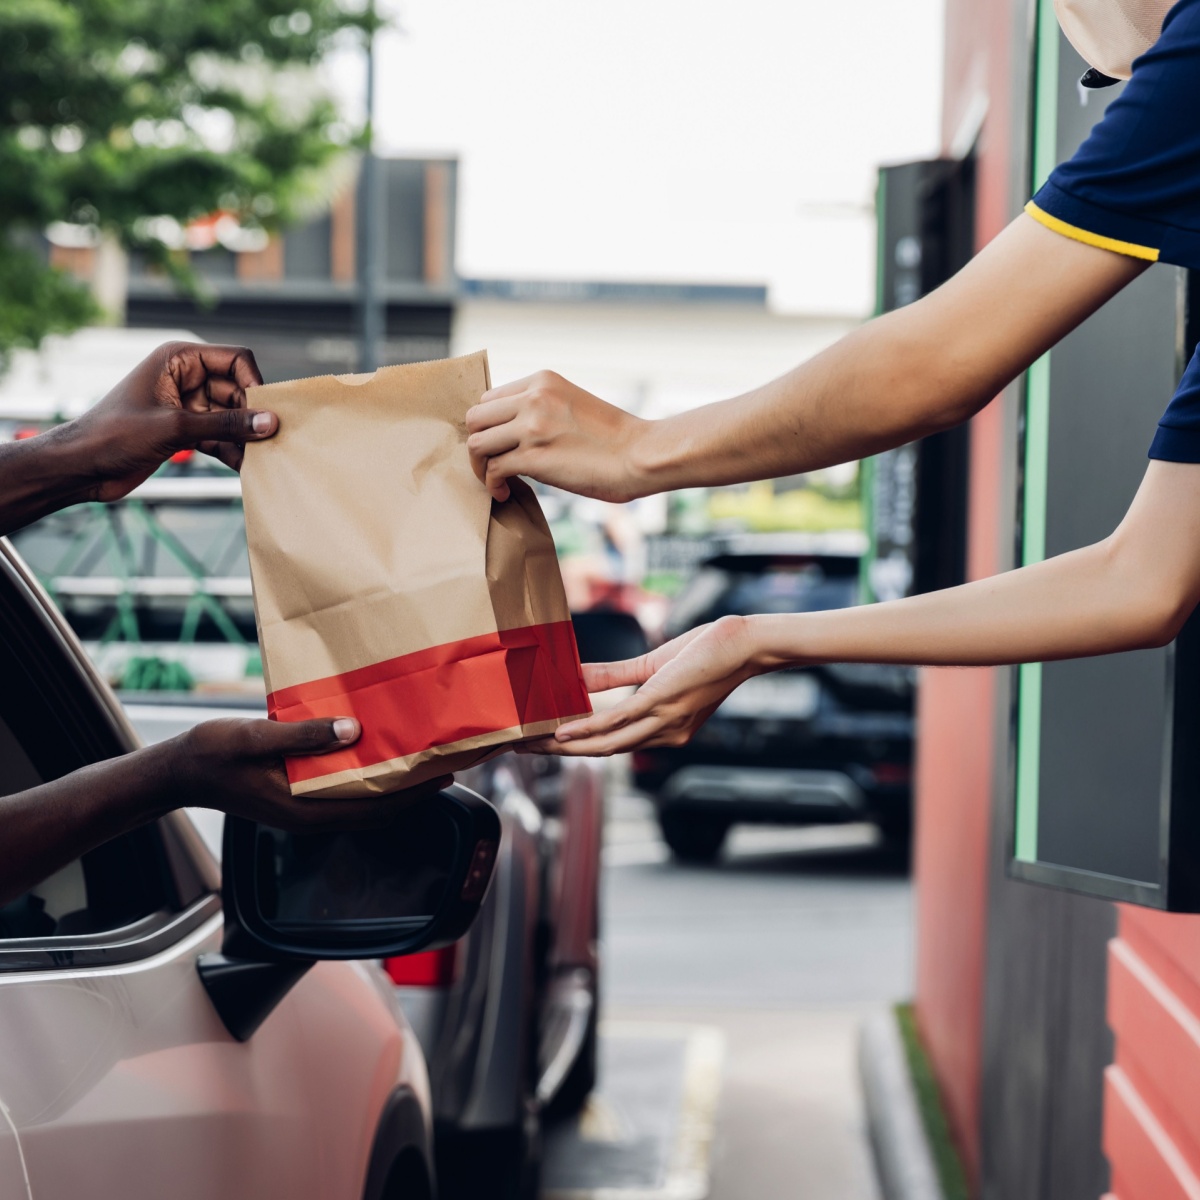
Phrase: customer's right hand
[237,766]
[183,396]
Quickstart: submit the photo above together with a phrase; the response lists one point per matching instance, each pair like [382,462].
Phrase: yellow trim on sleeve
[1132,249]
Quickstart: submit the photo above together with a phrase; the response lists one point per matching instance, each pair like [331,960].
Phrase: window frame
[95,728]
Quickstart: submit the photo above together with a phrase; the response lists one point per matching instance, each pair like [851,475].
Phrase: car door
[116,1074]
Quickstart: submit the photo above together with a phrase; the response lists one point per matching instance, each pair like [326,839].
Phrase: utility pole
[372,315]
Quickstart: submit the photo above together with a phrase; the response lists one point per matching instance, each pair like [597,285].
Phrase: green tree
[137,116]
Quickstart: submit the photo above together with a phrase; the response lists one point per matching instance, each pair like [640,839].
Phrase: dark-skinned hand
[237,766]
[184,396]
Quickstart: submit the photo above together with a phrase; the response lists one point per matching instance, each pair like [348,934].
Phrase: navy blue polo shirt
[1134,187]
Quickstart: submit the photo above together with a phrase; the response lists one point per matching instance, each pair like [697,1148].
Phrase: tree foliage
[135,116]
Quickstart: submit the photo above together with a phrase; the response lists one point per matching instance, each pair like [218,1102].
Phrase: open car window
[51,725]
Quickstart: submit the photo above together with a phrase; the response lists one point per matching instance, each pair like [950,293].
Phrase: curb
[902,1156]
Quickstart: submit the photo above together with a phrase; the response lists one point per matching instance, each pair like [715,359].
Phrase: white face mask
[1110,34]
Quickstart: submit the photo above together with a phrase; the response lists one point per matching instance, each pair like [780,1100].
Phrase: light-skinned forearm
[902,376]
[1073,606]
[1132,590]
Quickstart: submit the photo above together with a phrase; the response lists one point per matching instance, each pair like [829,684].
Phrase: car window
[716,592]
[110,888]
[49,727]
[804,589]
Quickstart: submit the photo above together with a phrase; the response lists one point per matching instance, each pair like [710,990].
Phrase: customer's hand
[184,396]
[679,686]
[552,431]
[237,766]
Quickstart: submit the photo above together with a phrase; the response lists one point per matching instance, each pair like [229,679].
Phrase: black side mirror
[605,635]
[291,899]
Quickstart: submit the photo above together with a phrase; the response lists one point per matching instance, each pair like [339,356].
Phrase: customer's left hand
[679,686]
[184,396]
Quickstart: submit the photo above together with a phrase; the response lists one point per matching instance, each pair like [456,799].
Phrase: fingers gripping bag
[389,587]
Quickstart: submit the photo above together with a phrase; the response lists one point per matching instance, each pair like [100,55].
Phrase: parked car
[508,1015]
[813,745]
[164,1032]
[158,587]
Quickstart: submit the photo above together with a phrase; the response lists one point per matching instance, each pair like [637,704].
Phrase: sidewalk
[791,1123]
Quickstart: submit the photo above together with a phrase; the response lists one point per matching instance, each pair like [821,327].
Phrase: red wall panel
[957,708]
[1151,1113]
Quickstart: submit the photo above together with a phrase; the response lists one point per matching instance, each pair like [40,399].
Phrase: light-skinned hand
[679,686]
[548,429]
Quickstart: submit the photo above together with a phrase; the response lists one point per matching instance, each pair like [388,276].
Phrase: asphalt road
[761,968]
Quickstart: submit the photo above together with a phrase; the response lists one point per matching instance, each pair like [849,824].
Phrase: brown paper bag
[389,587]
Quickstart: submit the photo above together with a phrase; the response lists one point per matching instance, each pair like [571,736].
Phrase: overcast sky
[678,140]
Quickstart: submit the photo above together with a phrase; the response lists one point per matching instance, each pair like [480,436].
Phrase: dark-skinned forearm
[42,474]
[47,827]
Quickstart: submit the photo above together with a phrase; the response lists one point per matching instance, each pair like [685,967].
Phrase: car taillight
[24,434]
[182,456]
[892,773]
[431,968]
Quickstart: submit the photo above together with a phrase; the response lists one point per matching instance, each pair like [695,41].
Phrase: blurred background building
[294,296]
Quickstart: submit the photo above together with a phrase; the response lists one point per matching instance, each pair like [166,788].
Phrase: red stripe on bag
[441,695]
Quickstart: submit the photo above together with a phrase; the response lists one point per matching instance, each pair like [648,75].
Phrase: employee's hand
[237,766]
[552,431]
[679,686]
[184,396]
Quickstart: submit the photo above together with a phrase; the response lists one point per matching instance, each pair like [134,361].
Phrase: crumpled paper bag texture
[389,587]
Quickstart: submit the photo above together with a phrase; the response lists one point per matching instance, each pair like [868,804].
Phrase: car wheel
[692,836]
[580,1082]
[494,1164]
[896,826]
[504,1163]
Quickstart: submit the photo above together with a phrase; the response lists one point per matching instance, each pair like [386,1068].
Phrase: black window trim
[143,939]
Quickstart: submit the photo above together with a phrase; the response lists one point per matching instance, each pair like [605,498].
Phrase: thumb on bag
[225,425]
[310,737]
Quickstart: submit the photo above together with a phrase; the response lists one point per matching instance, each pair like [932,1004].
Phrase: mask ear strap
[1093,79]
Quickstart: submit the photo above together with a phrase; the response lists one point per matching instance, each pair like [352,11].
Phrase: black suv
[807,746]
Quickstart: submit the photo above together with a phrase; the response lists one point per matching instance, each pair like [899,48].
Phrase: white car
[158,1039]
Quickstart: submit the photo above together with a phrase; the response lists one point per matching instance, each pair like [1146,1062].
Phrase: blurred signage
[893,509]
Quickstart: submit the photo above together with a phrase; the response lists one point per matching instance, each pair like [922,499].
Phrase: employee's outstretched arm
[912,372]
[1132,590]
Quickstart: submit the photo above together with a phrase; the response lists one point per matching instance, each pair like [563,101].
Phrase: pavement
[733,997]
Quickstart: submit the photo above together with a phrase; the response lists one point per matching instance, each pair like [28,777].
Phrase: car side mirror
[606,635]
[292,899]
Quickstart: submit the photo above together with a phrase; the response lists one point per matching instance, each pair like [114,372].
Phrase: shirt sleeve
[1178,436]
[1134,184]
